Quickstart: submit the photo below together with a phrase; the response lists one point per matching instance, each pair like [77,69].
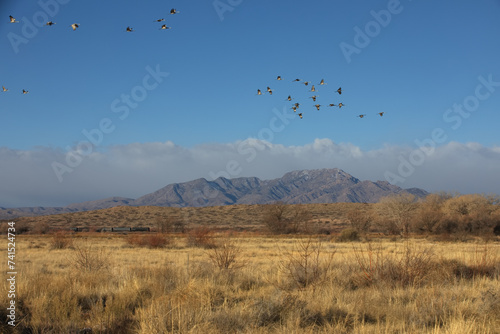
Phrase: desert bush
[61,240]
[225,253]
[429,213]
[200,237]
[280,218]
[88,258]
[148,240]
[360,220]
[473,214]
[170,224]
[307,264]
[397,212]
[41,228]
[349,234]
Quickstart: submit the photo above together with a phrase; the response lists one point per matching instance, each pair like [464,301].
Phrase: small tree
[360,219]
[429,213]
[281,218]
[398,210]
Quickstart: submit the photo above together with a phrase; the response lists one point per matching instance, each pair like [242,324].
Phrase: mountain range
[296,187]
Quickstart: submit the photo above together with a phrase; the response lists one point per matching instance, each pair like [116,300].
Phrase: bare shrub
[360,220]
[200,237]
[149,240]
[397,211]
[41,228]
[472,214]
[61,240]
[281,218]
[87,258]
[225,253]
[429,213]
[307,264]
[170,224]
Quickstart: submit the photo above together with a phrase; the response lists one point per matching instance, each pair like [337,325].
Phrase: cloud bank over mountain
[51,177]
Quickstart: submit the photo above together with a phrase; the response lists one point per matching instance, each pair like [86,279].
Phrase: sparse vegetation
[404,266]
[156,240]
[299,284]
[61,240]
[224,253]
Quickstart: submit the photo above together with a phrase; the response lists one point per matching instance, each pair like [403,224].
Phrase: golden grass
[179,290]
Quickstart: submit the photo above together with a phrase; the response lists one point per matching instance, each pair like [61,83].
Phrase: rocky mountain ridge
[296,187]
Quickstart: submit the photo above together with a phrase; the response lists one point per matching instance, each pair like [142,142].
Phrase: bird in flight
[174,11]
[340,105]
[313,97]
[4,89]
[297,105]
[339,90]
[300,115]
[12,19]
[164,27]
[317,106]
[296,80]
[313,89]
[160,20]
[361,116]
[279,77]
[332,105]
[306,83]
[322,82]
[259,92]
[294,108]
[289,98]
[270,91]
[381,114]
[75,25]
[25,91]
[50,23]
[129,29]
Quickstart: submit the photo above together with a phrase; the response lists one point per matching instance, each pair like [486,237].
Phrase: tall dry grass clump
[409,265]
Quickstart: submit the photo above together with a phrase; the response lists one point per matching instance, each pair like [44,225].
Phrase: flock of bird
[75,26]
[297,105]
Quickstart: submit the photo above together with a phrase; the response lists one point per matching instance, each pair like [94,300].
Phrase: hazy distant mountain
[297,187]
[305,186]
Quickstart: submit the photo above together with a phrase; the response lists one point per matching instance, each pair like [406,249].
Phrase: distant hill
[297,187]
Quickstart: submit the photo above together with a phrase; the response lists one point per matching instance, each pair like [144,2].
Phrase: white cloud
[27,177]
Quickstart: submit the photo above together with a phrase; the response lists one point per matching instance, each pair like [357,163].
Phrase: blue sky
[413,60]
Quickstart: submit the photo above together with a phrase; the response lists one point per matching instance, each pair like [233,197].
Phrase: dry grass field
[252,283]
